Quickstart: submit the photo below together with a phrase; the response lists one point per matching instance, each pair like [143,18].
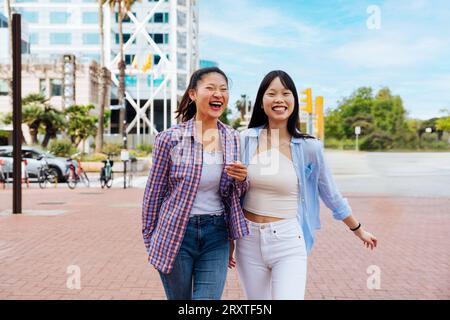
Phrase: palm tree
[123,7]
[38,114]
[10,32]
[81,123]
[53,121]
[103,80]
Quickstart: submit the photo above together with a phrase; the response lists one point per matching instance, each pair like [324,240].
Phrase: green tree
[333,124]
[224,116]
[33,108]
[40,116]
[359,103]
[53,121]
[382,119]
[123,6]
[443,123]
[81,124]
[104,80]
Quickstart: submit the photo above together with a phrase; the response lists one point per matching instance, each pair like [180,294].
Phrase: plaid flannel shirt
[172,187]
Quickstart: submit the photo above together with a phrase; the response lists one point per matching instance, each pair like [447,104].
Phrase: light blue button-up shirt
[314,180]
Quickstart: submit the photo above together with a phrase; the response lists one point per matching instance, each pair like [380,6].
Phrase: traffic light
[319,114]
[308,100]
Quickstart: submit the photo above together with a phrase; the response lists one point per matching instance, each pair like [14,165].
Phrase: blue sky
[326,45]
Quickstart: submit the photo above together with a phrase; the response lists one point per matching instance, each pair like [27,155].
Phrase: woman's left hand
[368,238]
[236,170]
[231,261]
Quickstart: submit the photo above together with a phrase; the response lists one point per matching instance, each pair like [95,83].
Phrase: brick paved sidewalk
[100,231]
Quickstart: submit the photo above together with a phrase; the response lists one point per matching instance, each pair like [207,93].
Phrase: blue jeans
[200,268]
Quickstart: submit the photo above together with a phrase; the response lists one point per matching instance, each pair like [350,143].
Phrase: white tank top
[274,186]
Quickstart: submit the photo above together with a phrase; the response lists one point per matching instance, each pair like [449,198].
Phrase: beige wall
[86,89]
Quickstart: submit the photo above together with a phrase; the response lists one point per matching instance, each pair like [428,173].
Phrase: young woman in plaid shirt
[191,207]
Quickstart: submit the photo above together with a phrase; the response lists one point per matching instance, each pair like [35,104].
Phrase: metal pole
[125,147]
[17,114]
[138,111]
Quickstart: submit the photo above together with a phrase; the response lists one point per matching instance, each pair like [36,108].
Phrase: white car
[34,159]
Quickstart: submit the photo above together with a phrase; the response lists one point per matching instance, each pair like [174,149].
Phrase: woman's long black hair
[260,118]
[187,109]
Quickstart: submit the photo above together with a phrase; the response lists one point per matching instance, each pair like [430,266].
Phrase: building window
[3,87]
[91,38]
[181,39]
[90,17]
[126,37]
[156,59]
[34,38]
[24,47]
[60,38]
[156,82]
[160,37]
[128,59]
[126,18]
[160,17]
[59,17]
[56,87]
[130,81]
[31,16]
[43,87]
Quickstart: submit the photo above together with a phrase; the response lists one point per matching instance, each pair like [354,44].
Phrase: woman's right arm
[157,184]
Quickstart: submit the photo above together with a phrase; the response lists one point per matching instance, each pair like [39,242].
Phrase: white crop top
[274,186]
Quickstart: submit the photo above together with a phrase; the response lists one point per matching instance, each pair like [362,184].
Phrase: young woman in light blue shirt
[287,174]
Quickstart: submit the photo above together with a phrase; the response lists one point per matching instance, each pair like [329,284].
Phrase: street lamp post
[17,112]
[357,132]
[123,154]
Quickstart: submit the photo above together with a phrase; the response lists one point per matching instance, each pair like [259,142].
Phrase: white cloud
[256,26]
[388,52]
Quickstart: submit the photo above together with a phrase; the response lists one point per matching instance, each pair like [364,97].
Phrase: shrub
[62,148]
[333,143]
[144,147]
[113,148]
[138,153]
[377,140]
[94,157]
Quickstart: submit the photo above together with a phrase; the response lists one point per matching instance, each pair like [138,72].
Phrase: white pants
[272,260]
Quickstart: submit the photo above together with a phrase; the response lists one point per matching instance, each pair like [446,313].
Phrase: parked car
[34,161]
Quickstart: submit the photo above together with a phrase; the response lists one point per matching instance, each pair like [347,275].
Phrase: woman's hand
[366,237]
[231,261]
[236,170]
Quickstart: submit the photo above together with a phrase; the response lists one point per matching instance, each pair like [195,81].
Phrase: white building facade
[164,31]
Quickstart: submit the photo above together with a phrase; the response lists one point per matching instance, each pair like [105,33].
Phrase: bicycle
[75,173]
[46,175]
[3,177]
[106,174]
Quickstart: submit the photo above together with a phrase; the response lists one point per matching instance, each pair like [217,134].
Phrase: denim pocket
[287,232]
[219,222]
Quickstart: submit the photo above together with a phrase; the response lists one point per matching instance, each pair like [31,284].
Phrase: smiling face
[211,96]
[278,102]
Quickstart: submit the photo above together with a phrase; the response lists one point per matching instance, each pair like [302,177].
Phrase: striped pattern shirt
[172,187]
